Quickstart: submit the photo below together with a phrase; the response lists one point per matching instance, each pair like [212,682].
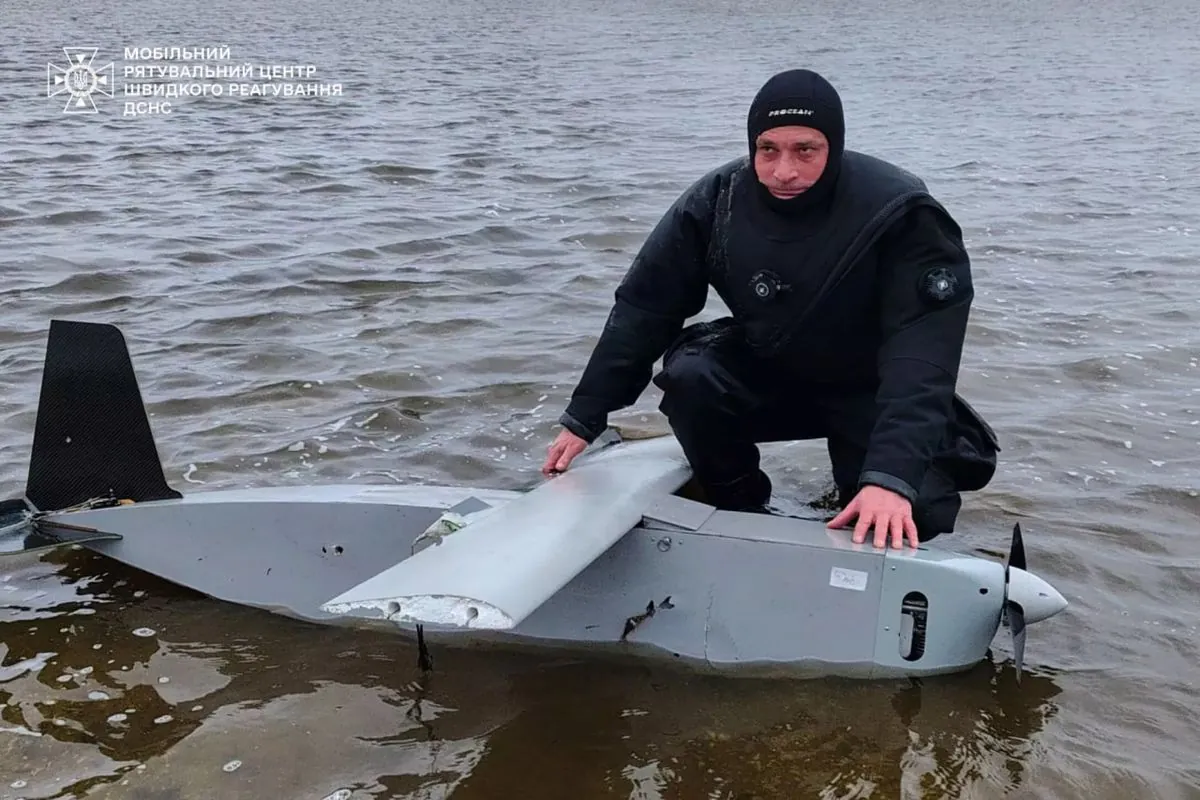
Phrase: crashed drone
[609,555]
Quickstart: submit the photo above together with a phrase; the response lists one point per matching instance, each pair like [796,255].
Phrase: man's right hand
[562,452]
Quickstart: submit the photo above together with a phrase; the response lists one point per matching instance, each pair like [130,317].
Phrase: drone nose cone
[1038,599]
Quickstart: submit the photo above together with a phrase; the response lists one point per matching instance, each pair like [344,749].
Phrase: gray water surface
[402,283]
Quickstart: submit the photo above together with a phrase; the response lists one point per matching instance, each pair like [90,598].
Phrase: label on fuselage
[843,578]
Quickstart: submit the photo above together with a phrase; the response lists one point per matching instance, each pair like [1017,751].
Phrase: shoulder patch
[938,284]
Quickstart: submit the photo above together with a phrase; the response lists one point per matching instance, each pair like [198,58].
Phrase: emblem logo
[80,80]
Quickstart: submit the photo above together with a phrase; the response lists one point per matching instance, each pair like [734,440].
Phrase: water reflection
[164,693]
[676,735]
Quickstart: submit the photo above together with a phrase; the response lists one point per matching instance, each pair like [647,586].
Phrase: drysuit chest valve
[766,285]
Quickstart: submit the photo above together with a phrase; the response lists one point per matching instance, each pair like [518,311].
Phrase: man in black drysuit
[850,289]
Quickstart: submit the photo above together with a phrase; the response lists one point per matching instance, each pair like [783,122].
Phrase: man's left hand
[886,510]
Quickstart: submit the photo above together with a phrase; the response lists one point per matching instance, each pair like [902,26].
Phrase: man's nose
[787,168]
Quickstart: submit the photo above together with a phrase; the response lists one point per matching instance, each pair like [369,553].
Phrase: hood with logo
[799,97]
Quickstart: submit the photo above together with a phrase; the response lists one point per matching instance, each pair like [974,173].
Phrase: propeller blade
[1013,611]
[1016,625]
[1016,553]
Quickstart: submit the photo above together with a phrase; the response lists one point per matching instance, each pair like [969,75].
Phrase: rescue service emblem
[938,284]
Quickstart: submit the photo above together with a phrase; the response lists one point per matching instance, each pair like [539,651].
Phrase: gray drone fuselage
[609,555]
[721,590]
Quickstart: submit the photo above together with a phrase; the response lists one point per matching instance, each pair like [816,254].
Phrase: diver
[849,288]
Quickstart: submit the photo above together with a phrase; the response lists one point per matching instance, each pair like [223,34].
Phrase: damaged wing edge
[452,610]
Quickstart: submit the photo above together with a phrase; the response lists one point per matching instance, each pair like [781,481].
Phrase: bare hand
[888,511]
[562,452]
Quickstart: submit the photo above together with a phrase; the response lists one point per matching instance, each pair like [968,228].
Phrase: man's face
[790,159]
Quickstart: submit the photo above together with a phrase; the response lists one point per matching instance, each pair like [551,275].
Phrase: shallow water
[402,283]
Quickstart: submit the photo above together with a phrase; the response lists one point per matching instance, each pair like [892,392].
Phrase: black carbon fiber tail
[92,436]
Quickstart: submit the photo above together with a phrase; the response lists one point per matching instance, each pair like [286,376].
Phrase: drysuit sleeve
[666,284]
[925,298]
